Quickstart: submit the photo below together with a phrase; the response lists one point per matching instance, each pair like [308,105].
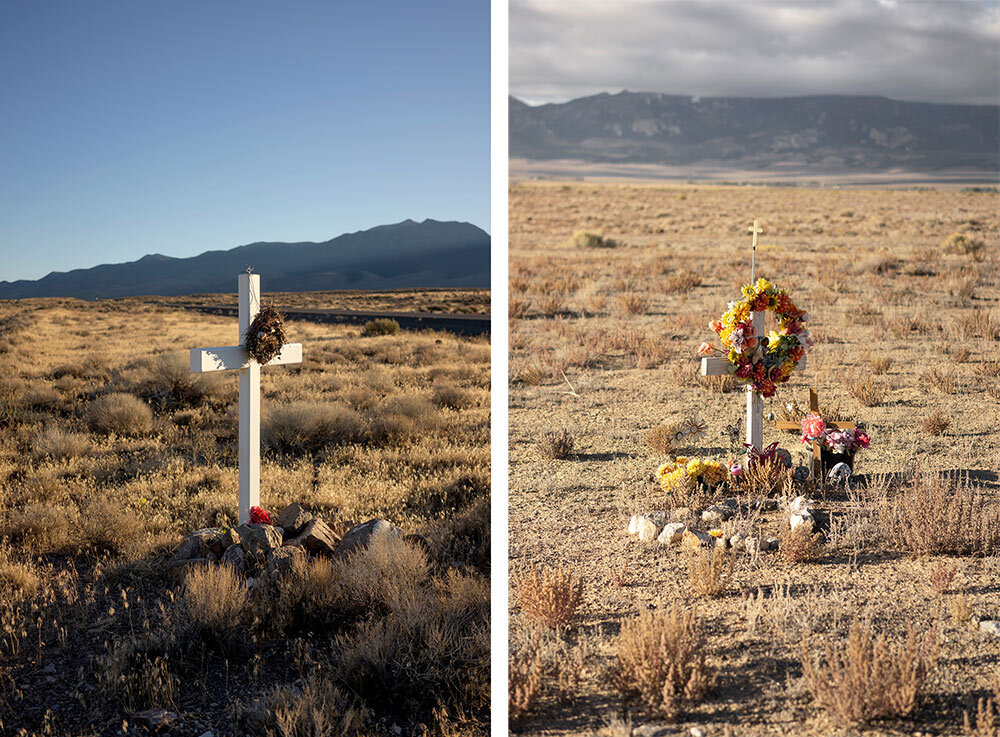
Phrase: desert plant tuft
[935,423]
[963,244]
[583,239]
[381,326]
[866,390]
[525,669]
[549,596]
[799,544]
[556,445]
[302,427]
[119,413]
[216,599]
[941,577]
[710,571]
[661,439]
[867,678]
[661,660]
[633,304]
[58,444]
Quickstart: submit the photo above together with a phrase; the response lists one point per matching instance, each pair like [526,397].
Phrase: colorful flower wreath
[769,360]
[684,472]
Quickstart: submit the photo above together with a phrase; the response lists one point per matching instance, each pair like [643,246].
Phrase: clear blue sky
[177,127]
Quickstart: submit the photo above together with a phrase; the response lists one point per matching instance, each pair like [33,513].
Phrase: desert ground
[603,339]
[111,452]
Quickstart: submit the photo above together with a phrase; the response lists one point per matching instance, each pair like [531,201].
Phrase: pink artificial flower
[813,426]
[704,349]
[736,469]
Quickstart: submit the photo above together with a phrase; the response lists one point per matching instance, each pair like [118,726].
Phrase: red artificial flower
[862,438]
[744,370]
[259,515]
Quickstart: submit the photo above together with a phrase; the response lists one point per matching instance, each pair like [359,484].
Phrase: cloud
[920,50]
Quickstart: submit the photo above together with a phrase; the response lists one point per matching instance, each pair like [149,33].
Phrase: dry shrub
[959,355]
[18,578]
[583,239]
[661,439]
[879,364]
[935,423]
[381,326]
[937,515]
[58,444]
[119,413]
[679,282]
[452,397]
[517,308]
[550,596]
[552,305]
[800,544]
[302,427]
[216,599]
[867,678]
[960,609]
[963,244]
[941,577]
[525,669]
[317,708]
[942,381]
[137,675]
[661,660]
[987,721]
[400,418]
[866,390]
[978,324]
[429,651]
[633,304]
[764,478]
[46,528]
[710,571]
[106,525]
[174,384]
[557,445]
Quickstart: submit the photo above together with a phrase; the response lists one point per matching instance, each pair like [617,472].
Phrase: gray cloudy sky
[920,50]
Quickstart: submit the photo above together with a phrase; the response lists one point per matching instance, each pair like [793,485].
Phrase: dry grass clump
[661,660]
[800,544]
[661,439]
[933,514]
[710,571]
[381,326]
[317,708]
[964,244]
[18,578]
[879,364]
[583,239]
[941,577]
[549,596]
[941,381]
[525,669]
[452,397]
[935,423]
[119,413]
[216,598]
[987,719]
[44,527]
[719,383]
[556,445]
[764,478]
[866,390]
[867,678]
[632,303]
[301,427]
[58,444]
[679,282]
[171,382]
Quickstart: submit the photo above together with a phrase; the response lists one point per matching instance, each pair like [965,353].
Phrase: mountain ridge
[408,254]
[830,132]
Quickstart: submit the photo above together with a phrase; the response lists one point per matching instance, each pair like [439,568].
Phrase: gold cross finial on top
[754,230]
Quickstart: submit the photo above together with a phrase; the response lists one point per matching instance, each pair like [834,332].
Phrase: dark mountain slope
[407,254]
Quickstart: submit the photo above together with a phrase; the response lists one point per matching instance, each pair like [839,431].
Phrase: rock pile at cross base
[252,549]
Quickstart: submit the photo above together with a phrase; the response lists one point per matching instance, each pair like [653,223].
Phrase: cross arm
[230,357]
[713,366]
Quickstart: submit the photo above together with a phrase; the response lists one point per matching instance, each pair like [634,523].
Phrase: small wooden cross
[816,447]
[235,357]
[754,231]
[717,366]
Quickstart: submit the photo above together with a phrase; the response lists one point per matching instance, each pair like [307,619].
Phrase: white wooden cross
[233,357]
[712,366]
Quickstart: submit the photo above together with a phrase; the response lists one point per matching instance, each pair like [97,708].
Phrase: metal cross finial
[754,230]
[250,268]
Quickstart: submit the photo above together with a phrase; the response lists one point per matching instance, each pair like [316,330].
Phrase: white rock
[717,513]
[633,524]
[697,732]
[696,539]
[990,627]
[737,540]
[648,530]
[672,533]
[801,518]
[752,544]
[800,504]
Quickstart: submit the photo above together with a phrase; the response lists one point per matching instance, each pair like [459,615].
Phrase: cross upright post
[235,357]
